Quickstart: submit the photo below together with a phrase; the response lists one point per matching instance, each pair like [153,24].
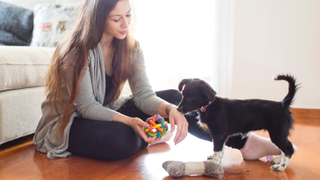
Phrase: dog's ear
[207,92]
[183,82]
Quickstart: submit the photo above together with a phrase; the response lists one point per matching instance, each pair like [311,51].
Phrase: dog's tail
[293,87]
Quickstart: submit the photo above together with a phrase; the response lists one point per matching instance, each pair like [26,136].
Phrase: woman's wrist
[165,109]
[168,109]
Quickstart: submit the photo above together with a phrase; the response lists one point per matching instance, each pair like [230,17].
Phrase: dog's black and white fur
[225,117]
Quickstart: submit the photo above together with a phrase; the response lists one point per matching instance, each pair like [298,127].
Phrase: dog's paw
[282,165]
[278,167]
[209,158]
[276,160]
[215,159]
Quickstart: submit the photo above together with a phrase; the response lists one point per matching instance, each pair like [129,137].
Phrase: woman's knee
[104,140]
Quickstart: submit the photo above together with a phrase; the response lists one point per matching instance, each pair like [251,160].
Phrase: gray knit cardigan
[89,102]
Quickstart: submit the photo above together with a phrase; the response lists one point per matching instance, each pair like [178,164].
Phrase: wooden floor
[19,160]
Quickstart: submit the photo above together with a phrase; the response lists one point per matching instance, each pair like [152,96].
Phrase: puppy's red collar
[204,108]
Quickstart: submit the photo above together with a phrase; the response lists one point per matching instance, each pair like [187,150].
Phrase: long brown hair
[72,52]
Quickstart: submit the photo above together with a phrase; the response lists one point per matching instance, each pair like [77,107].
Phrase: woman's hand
[138,125]
[177,118]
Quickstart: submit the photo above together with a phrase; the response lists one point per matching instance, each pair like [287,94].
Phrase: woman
[84,113]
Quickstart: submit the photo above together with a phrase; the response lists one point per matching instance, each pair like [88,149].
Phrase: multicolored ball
[158,126]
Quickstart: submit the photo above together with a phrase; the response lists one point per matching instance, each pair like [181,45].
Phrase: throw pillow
[51,22]
[16,24]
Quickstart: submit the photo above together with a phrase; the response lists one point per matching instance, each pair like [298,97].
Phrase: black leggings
[109,140]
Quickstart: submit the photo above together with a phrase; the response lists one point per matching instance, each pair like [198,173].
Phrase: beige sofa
[22,72]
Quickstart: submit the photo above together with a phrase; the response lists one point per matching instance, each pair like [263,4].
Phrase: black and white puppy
[225,117]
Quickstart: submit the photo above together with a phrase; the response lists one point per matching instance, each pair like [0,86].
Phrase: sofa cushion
[52,22]
[16,25]
[27,68]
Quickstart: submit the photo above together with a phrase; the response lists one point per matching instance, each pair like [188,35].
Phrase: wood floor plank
[22,162]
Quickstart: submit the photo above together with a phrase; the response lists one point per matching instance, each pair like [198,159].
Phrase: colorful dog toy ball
[158,126]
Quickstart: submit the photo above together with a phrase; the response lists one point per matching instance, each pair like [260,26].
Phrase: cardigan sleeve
[143,95]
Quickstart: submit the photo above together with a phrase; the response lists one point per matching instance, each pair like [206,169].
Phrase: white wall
[273,37]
